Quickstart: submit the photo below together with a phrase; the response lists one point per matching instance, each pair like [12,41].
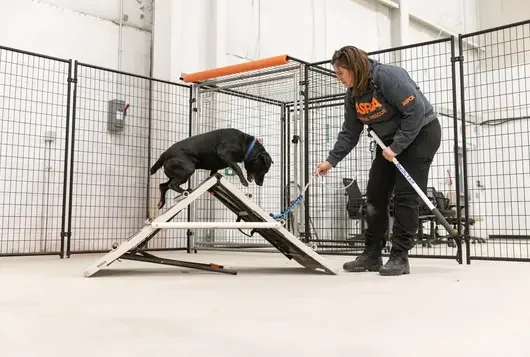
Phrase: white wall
[494,13]
[313,30]
[137,13]
[60,32]
[188,40]
[459,16]
[194,36]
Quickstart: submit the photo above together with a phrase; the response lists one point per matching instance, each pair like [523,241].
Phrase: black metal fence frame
[463,230]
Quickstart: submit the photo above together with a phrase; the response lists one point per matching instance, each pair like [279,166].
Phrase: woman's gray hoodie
[393,106]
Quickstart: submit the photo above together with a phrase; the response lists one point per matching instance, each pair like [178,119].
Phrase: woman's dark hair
[356,61]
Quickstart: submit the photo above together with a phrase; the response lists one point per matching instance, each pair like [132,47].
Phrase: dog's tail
[157,166]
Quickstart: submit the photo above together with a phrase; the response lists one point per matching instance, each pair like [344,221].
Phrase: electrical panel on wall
[117,112]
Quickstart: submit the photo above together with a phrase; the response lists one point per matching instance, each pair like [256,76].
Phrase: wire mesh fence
[431,65]
[495,75]
[121,124]
[338,213]
[88,176]
[34,119]
[256,103]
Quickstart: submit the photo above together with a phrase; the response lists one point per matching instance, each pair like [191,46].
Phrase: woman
[386,99]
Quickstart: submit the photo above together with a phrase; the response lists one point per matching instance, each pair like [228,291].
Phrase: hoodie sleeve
[399,90]
[348,137]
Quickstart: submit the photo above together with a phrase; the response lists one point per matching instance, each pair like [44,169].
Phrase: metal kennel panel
[34,125]
[337,226]
[495,90]
[432,65]
[122,123]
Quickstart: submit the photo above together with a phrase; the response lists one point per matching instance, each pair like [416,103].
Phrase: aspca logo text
[409,99]
[366,108]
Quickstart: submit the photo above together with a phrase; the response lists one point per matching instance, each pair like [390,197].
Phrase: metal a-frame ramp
[250,215]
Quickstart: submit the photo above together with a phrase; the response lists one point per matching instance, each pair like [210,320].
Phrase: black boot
[397,264]
[369,260]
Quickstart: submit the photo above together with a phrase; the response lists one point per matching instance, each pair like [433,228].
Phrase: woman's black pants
[385,178]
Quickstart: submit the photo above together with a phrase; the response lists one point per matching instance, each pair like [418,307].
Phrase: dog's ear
[267,160]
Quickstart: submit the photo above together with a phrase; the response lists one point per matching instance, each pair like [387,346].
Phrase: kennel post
[462,135]
[191,110]
[255,97]
[457,168]
[306,168]
[65,234]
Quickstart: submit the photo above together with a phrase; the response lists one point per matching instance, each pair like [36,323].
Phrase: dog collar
[249,150]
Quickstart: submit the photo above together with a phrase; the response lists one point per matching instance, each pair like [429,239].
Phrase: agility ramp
[250,216]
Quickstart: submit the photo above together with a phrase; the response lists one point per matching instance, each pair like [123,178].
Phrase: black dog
[214,150]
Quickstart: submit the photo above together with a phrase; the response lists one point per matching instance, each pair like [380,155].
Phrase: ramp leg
[142,256]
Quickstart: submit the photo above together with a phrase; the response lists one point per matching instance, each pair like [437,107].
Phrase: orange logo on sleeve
[408,100]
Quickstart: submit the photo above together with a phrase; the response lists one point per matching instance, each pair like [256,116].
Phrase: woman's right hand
[322,168]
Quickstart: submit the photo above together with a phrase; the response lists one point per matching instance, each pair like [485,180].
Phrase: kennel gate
[495,86]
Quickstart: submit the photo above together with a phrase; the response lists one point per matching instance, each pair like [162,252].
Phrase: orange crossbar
[236,68]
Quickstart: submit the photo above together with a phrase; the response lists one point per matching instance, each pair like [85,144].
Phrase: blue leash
[288,210]
[293,204]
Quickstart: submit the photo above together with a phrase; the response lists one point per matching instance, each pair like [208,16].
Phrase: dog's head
[258,167]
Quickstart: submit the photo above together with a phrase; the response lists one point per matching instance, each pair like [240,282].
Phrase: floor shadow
[177,271]
[430,270]
[279,271]
[170,271]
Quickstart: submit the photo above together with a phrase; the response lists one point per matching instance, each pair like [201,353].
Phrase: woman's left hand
[389,154]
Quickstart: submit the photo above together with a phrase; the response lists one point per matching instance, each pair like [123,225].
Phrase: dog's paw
[161,204]
[244,183]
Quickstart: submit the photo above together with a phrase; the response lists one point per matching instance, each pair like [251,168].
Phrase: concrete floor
[271,308]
